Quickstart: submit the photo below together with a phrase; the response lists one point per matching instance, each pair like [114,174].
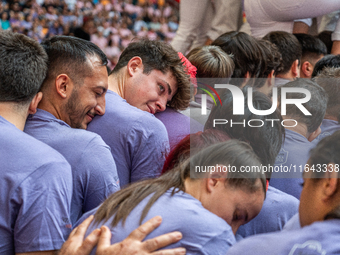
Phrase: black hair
[326,61]
[68,54]
[266,140]
[289,48]
[316,105]
[329,80]
[245,52]
[23,67]
[312,47]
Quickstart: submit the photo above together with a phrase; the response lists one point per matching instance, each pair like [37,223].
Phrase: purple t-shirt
[203,232]
[178,125]
[290,163]
[319,238]
[35,193]
[93,168]
[277,209]
[138,141]
[328,127]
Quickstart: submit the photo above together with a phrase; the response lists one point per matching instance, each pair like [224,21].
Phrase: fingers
[81,229]
[90,242]
[177,251]
[162,241]
[105,239]
[142,231]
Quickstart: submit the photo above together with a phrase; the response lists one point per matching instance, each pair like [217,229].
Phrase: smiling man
[73,93]
[148,76]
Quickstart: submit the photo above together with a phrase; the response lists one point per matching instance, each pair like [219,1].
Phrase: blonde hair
[211,62]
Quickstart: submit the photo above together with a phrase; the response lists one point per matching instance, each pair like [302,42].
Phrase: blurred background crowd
[111,24]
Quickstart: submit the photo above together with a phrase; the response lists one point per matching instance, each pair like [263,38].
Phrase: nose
[100,107]
[161,104]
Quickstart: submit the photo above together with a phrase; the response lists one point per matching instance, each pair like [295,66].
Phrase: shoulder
[281,198]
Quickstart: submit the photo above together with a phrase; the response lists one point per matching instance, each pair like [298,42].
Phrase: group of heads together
[68,77]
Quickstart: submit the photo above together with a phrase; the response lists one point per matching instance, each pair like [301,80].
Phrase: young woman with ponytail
[206,207]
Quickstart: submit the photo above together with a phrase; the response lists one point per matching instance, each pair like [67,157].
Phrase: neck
[191,187]
[15,115]
[299,128]
[287,76]
[49,106]
[329,117]
[116,83]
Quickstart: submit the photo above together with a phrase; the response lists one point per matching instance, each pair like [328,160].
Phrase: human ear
[295,69]
[63,85]
[315,134]
[307,69]
[32,109]
[330,181]
[211,184]
[134,65]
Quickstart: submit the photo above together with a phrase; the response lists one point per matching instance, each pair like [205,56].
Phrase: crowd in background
[109,24]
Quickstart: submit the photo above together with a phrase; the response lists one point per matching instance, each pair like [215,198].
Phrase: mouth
[89,117]
[151,110]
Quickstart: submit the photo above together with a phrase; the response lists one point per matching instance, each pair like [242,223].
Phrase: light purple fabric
[138,141]
[277,209]
[178,125]
[328,127]
[93,168]
[203,232]
[319,238]
[35,193]
[293,155]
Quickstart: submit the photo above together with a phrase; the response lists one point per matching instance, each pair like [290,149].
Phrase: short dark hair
[245,52]
[69,55]
[266,141]
[325,152]
[326,38]
[316,105]
[272,60]
[326,61]
[157,55]
[288,46]
[329,80]
[23,67]
[312,47]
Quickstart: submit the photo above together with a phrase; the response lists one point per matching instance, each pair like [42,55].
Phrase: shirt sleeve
[101,178]
[41,208]
[148,143]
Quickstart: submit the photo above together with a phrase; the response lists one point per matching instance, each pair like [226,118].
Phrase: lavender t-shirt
[277,209]
[178,125]
[203,232]
[93,168]
[138,141]
[35,193]
[290,163]
[319,238]
[328,127]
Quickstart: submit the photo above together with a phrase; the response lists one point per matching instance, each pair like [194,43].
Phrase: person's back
[207,219]
[131,133]
[318,238]
[93,169]
[35,180]
[203,232]
[301,129]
